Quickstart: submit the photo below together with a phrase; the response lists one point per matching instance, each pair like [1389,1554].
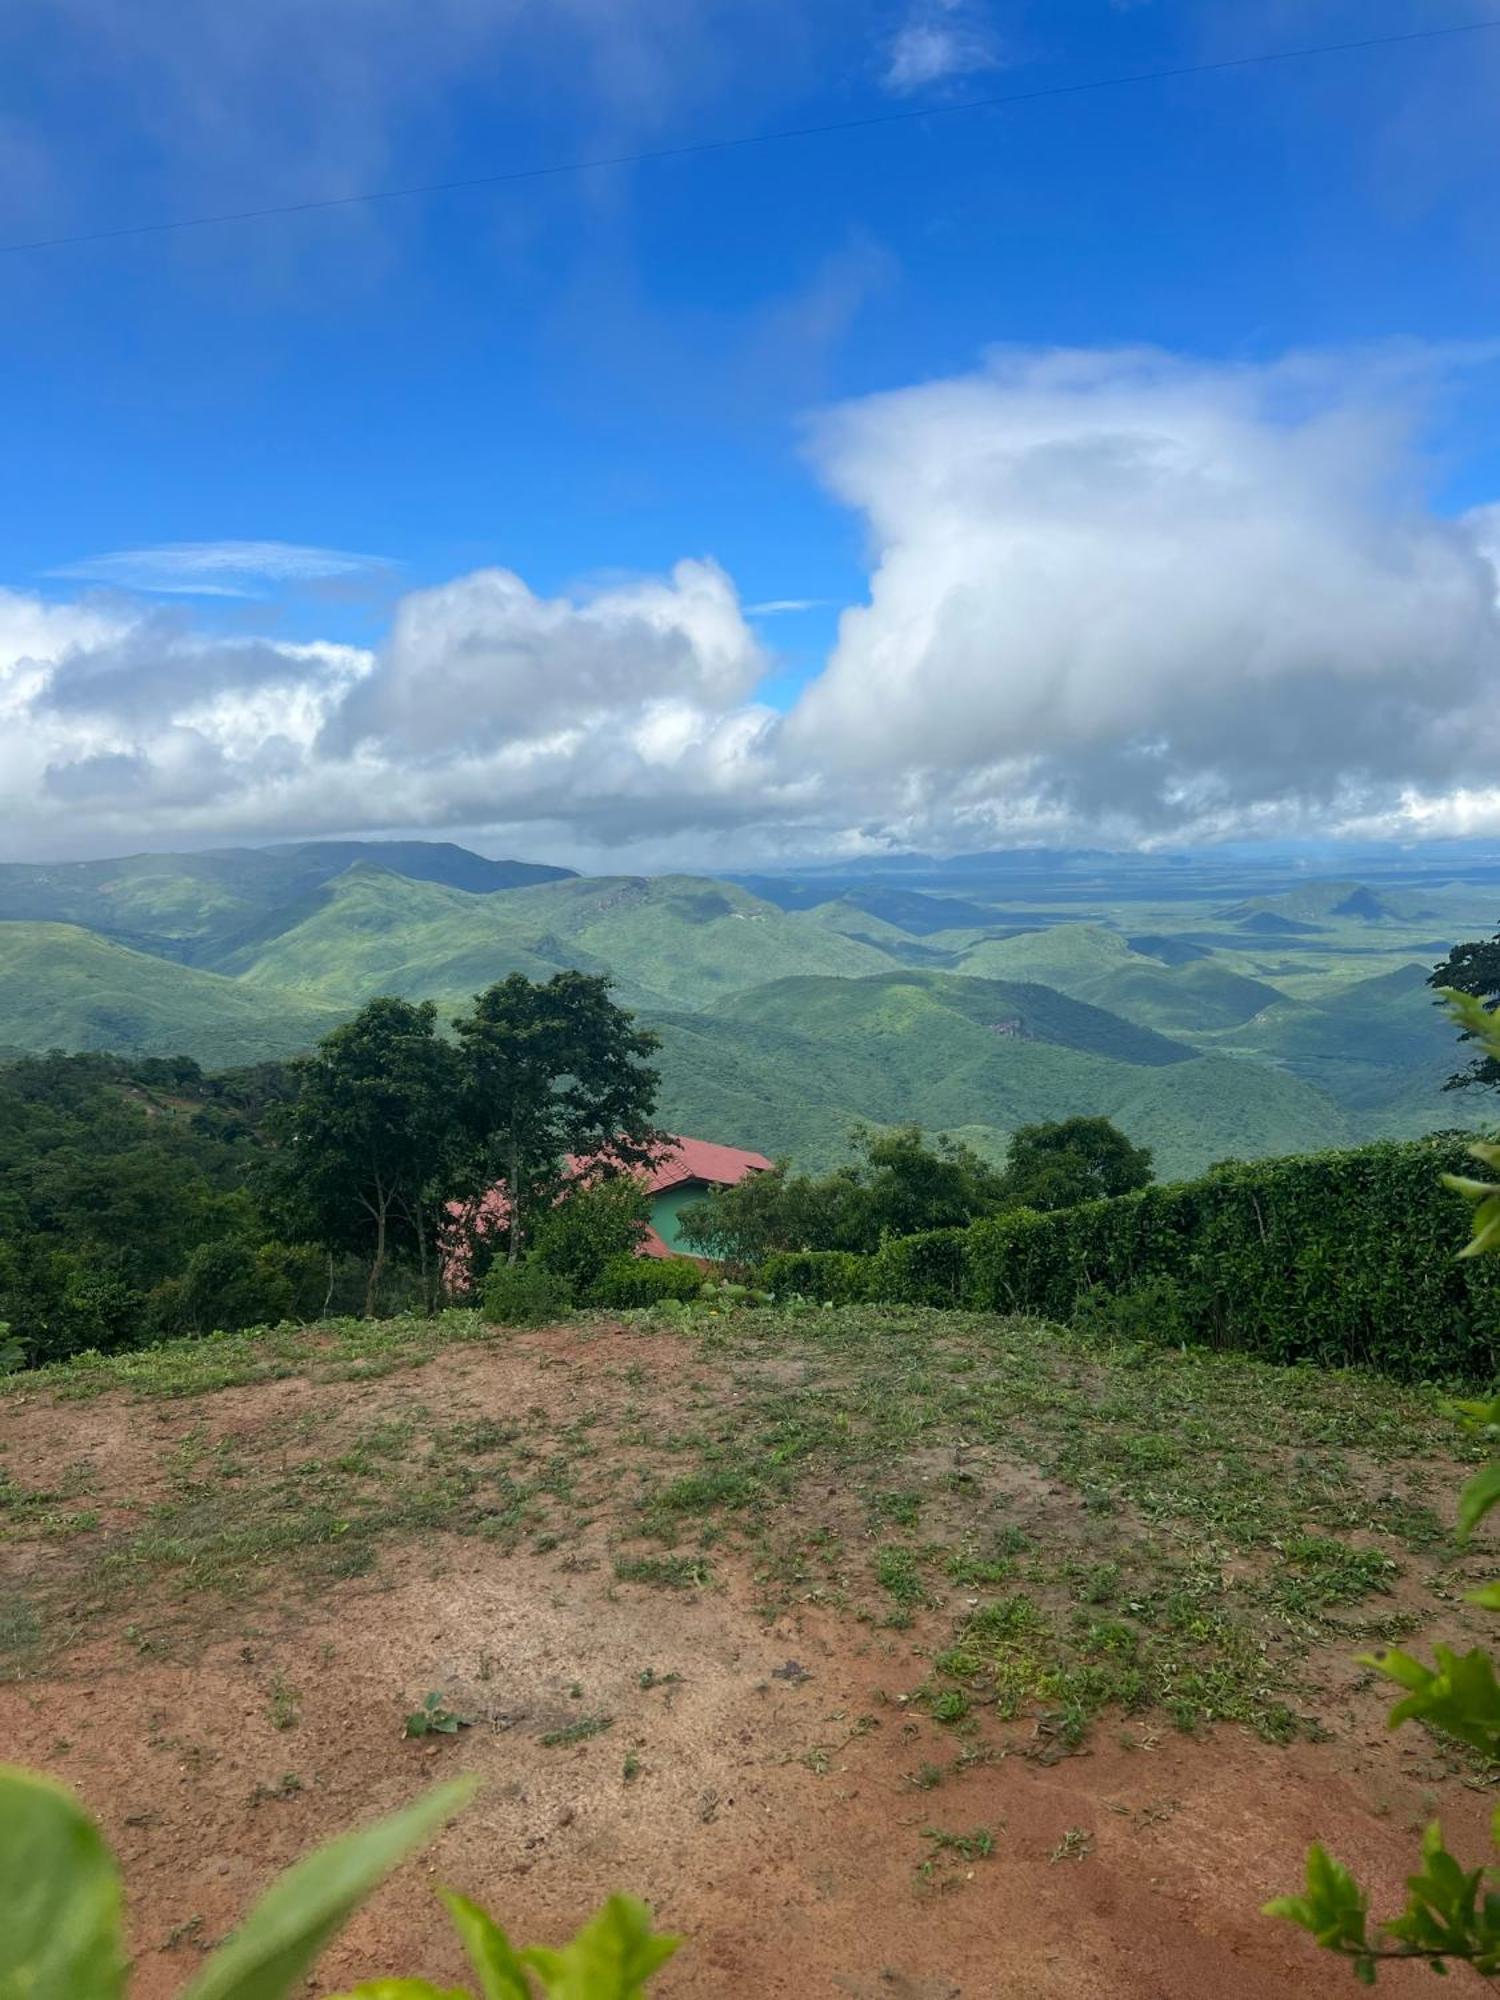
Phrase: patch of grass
[20,1627]
[898,1574]
[333,1350]
[702,1493]
[900,1510]
[284,1704]
[581,1731]
[976,1846]
[1318,1573]
[665,1572]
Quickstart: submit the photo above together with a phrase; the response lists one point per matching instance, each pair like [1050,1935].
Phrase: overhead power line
[697,148]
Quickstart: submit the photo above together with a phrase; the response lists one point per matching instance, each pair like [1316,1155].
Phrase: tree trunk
[513,1248]
[428,1302]
[377,1263]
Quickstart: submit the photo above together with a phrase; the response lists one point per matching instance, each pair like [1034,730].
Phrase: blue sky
[588,379]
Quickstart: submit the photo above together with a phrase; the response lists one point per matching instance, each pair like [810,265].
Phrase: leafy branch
[1452,1913]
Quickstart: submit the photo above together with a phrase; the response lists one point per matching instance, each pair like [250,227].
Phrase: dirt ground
[756,1773]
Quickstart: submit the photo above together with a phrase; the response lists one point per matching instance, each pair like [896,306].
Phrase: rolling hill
[669,941]
[62,987]
[1210,1018]
[194,906]
[795,1063]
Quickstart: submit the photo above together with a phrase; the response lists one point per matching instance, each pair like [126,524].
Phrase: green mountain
[62,987]
[670,941]
[789,1067]
[192,906]
[1182,999]
[1381,1049]
[1068,956]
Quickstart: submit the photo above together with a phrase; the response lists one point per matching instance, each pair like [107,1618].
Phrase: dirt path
[761,1776]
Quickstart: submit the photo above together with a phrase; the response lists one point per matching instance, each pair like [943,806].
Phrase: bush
[526,1294]
[834,1277]
[645,1281]
[590,1228]
[1157,1312]
[925,1270]
[1326,1257]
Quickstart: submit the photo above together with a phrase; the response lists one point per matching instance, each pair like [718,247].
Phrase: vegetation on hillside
[300,937]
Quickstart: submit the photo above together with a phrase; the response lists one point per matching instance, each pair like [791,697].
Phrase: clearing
[886,1653]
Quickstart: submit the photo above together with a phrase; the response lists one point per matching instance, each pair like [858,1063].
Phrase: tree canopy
[1473,969]
[548,1071]
[1074,1160]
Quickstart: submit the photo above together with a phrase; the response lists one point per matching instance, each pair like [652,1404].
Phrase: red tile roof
[702,1160]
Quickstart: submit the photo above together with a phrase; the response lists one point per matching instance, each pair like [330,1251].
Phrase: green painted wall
[666,1208]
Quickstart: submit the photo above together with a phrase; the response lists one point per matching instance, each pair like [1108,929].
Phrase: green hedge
[930,1269]
[1326,1257]
[834,1277]
[644,1281]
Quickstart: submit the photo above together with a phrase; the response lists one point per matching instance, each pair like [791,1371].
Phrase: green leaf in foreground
[300,1913]
[59,1896]
[403,1989]
[611,1958]
[1461,1695]
[502,1975]
[1332,1907]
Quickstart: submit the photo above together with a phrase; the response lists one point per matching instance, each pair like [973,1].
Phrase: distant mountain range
[1217,1023]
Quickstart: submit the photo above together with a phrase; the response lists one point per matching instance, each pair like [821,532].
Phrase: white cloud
[1114,597]
[1148,593]
[938,40]
[216,569]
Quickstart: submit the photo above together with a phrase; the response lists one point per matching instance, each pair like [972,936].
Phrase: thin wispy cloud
[773,607]
[938,40]
[217,569]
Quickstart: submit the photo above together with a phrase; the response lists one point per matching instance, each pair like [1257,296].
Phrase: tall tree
[1473,969]
[1074,1160]
[368,1143]
[550,1070]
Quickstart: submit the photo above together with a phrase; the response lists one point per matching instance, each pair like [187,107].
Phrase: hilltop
[62,987]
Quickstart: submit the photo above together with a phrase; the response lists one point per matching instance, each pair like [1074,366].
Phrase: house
[685,1173]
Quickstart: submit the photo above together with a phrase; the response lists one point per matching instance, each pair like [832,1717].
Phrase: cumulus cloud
[1161,593]
[1113,597]
[484,660]
[938,40]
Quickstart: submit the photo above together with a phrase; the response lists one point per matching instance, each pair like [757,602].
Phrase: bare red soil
[770,1812]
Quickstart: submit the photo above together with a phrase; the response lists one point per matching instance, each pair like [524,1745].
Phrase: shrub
[526,1294]
[835,1277]
[925,1270]
[590,1228]
[645,1281]
[1157,1312]
[1326,1257]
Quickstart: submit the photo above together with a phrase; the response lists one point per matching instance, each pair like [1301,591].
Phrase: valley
[1212,1008]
